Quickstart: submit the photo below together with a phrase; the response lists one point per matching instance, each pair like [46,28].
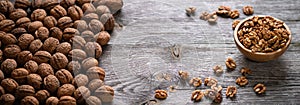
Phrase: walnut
[11,51]
[7,99]
[17,14]
[8,39]
[106,93]
[8,66]
[25,40]
[80,25]
[77,42]
[74,67]
[93,100]
[81,80]
[50,44]
[93,49]
[96,73]
[248,10]
[65,90]
[42,96]
[64,76]
[196,82]
[67,100]
[29,100]
[23,57]
[38,15]
[210,81]
[51,83]
[235,23]
[108,21]
[42,33]
[231,91]
[18,31]
[50,22]
[55,32]
[89,62]
[77,55]
[161,94]
[64,48]
[102,38]
[95,84]
[230,63]
[33,26]
[81,94]
[42,57]
[59,61]
[35,46]
[45,69]
[259,88]
[197,95]
[20,75]
[242,81]
[183,74]
[35,81]
[52,101]
[10,85]
[23,91]
[245,71]
[31,66]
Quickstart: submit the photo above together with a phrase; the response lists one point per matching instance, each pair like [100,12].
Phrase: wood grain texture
[138,58]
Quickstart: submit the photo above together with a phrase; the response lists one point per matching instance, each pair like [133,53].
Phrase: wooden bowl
[259,56]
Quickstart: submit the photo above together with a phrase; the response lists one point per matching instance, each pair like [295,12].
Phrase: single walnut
[49,4]
[113,5]
[25,40]
[81,80]
[218,69]
[8,66]
[81,94]
[29,100]
[67,100]
[64,22]
[8,39]
[197,95]
[235,23]
[88,8]
[7,99]
[17,14]
[218,98]
[241,81]
[42,57]
[183,74]
[36,4]
[95,84]
[38,15]
[51,83]
[23,57]
[231,91]
[42,33]
[6,7]
[259,88]
[42,96]
[65,90]
[2,17]
[35,81]
[50,22]
[210,81]
[102,9]
[80,25]
[59,61]
[90,16]
[161,94]
[102,38]
[18,31]
[74,67]
[10,85]
[24,90]
[81,2]
[45,69]
[64,48]
[96,73]
[106,93]
[55,32]
[58,12]
[93,49]
[88,36]
[77,55]
[52,101]
[75,12]
[64,76]
[89,62]
[20,75]
[7,25]
[196,82]
[67,3]
[33,26]
[210,94]
[248,10]
[78,42]
[230,64]
[217,88]
[50,44]
[93,100]
[11,51]
[96,26]
[23,22]
[245,71]
[69,33]
[31,66]
[23,4]
[234,14]
[109,21]
[35,45]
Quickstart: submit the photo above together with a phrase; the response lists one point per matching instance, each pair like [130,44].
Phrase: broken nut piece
[259,88]
[235,23]
[230,63]
[242,81]
[231,91]
[245,71]
[190,11]
[197,95]
[218,69]
[161,94]
[210,81]
[196,81]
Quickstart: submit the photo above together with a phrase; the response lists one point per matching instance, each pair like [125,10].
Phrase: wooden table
[138,58]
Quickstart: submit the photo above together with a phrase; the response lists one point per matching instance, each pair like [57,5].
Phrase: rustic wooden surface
[138,58]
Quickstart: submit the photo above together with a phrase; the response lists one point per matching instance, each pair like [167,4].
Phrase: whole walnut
[35,81]
[105,93]
[25,40]
[59,61]
[20,75]
[58,12]
[64,48]
[80,25]
[96,73]
[23,91]
[81,2]
[42,57]
[8,66]
[113,5]
[45,69]
[81,80]
[29,100]
[64,76]
[81,94]
[11,51]
[78,42]
[89,62]
[2,17]
[93,100]
[42,96]
[50,22]
[7,25]
[38,15]
[50,44]
[88,8]
[102,38]
[55,32]
[108,20]
[10,85]
[35,45]
[18,31]
[95,84]
[49,4]
[51,83]
[67,3]
[7,99]
[33,26]
[69,33]
[23,22]
[52,101]
[23,57]
[65,90]
[64,22]
[88,36]
[6,7]
[67,100]
[23,4]
[77,55]
[96,26]
[31,66]
[90,16]
[74,67]
[36,4]
[75,12]
[102,9]
[93,49]
[8,39]
[42,33]
[17,14]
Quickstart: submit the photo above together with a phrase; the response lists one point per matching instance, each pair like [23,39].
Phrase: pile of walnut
[50,50]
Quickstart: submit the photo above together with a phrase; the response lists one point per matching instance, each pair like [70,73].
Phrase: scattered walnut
[245,71]
[212,18]
[211,94]
[223,11]
[259,88]
[234,14]
[248,10]
[161,94]
[183,74]
[218,69]
[217,88]
[210,81]
[231,91]
[204,16]
[218,98]
[230,63]
[242,81]
[197,95]
[235,23]
[190,11]
[196,81]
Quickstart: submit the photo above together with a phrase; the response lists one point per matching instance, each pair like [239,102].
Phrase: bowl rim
[260,53]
